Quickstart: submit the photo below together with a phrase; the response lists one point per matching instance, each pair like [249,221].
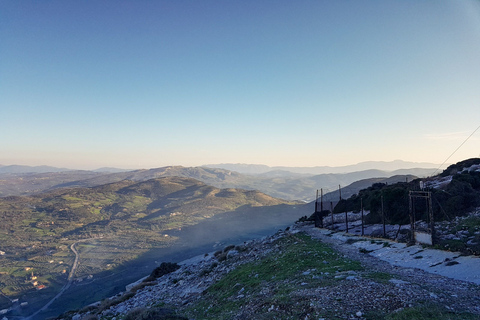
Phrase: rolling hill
[118,227]
[279,184]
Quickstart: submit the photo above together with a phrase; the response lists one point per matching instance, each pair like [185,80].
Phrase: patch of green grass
[299,253]
[453,245]
[471,224]
[71,198]
[430,312]
[379,276]
[136,203]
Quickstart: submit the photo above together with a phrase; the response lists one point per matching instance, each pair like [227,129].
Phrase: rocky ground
[294,274]
[419,285]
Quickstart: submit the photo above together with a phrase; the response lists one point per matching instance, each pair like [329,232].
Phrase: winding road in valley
[69,282]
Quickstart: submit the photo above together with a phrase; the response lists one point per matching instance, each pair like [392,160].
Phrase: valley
[119,230]
[85,240]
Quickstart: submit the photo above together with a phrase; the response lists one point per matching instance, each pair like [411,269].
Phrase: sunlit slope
[158,201]
[116,222]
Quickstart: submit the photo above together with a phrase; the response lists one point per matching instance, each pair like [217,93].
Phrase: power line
[456,150]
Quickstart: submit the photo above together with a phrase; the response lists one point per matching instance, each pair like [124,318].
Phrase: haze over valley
[118,220]
[118,226]
[287,183]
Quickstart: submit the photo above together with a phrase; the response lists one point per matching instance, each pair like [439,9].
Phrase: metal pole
[346,219]
[361,205]
[331,209]
[321,199]
[432,222]
[321,207]
[346,216]
[383,219]
[412,219]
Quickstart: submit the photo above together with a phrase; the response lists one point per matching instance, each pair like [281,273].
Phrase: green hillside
[111,225]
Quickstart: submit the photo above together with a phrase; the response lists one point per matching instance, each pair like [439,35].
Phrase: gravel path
[454,294]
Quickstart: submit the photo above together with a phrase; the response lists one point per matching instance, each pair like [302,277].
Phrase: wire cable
[456,150]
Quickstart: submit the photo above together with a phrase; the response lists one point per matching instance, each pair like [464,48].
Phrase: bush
[222,256]
[228,248]
[241,248]
[163,269]
[303,219]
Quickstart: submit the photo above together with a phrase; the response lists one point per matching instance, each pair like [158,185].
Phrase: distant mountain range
[280,184]
[368,165]
[44,169]
[255,169]
[29,169]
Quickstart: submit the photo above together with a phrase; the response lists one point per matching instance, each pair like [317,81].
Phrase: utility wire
[456,150]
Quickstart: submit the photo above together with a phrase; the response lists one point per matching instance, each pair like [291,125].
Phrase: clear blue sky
[141,84]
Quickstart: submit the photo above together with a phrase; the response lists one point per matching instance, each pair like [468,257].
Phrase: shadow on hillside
[234,227]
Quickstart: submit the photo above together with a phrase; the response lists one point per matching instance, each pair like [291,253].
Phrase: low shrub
[241,248]
[163,269]
[303,219]
[222,257]
[228,248]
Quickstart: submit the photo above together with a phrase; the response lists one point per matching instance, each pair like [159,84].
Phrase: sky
[144,84]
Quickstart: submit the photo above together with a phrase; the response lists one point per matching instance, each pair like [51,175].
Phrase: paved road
[67,285]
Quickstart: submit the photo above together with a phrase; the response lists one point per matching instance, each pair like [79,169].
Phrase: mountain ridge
[279,184]
[361,166]
[243,167]
[30,169]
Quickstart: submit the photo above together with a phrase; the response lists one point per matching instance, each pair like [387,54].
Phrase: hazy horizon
[397,161]
[140,84]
